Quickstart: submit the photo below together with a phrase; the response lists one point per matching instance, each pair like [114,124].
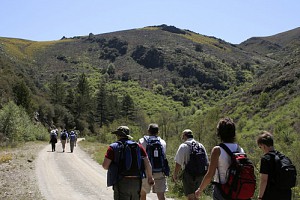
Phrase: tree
[82,96]
[22,95]
[127,108]
[57,90]
[101,109]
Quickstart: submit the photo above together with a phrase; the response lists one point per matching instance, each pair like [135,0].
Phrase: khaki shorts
[160,183]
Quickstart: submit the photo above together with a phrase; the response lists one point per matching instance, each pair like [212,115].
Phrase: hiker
[64,138]
[126,162]
[268,189]
[73,138]
[158,160]
[191,180]
[53,139]
[220,160]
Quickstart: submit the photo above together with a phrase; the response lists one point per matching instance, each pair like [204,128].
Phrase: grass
[5,157]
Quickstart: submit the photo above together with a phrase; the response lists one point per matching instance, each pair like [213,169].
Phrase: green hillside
[177,78]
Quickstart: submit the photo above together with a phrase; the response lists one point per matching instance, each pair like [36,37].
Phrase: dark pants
[190,183]
[127,189]
[72,143]
[53,146]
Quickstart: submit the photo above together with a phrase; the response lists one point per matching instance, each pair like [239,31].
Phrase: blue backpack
[156,155]
[127,161]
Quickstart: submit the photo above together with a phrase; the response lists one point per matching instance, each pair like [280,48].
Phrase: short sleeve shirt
[267,166]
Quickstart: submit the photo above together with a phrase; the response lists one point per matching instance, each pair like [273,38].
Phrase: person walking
[156,150]
[191,181]
[73,139]
[268,190]
[63,139]
[53,139]
[220,160]
[126,162]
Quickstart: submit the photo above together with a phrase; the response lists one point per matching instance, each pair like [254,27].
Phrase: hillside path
[72,176]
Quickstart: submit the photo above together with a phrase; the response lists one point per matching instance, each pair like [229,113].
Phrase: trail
[74,176]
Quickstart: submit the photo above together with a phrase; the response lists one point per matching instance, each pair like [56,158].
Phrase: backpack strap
[228,151]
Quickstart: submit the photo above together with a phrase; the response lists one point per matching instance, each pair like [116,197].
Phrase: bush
[16,125]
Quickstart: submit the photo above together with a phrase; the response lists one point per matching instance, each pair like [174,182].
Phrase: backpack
[63,136]
[241,180]
[53,137]
[128,161]
[73,137]
[156,155]
[198,163]
[285,175]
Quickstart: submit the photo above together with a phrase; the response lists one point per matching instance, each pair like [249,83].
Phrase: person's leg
[143,195]
[161,195]
[191,197]
[146,188]
[160,186]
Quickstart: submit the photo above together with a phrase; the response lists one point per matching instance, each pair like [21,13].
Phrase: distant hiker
[73,138]
[53,139]
[220,160]
[63,138]
[274,183]
[126,162]
[194,168]
[156,150]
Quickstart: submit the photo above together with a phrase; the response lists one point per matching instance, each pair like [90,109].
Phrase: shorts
[159,186]
[190,183]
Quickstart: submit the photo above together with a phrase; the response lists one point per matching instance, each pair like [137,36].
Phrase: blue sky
[231,20]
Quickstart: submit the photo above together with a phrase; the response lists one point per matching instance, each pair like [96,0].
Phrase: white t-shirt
[182,156]
[144,143]
[224,162]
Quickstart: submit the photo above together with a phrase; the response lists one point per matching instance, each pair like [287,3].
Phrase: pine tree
[57,90]
[82,95]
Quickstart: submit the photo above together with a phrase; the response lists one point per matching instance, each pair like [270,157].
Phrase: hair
[265,138]
[188,133]
[226,130]
[153,129]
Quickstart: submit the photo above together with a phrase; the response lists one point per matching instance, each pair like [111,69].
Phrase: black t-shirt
[267,166]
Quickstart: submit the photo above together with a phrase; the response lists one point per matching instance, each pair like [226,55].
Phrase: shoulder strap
[145,138]
[228,151]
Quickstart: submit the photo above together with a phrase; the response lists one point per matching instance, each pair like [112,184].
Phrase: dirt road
[73,176]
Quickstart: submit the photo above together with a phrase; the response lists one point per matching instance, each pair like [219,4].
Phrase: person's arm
[262,185]
[176,171]
[211,171]
[106,163]
[148,170]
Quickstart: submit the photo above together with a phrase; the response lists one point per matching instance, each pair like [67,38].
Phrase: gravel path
[35,172]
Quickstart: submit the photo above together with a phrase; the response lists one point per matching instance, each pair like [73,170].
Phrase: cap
[122,131]
[188,132]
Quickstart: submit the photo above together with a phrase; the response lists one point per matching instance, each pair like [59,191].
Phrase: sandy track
[73,176]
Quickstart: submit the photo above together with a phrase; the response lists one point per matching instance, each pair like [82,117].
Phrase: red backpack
[241,180]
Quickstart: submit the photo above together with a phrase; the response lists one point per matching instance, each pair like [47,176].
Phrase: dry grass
[5,157]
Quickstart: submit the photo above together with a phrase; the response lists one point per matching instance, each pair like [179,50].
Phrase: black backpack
[198,163]
[63,136]
[156,155]
[285,176]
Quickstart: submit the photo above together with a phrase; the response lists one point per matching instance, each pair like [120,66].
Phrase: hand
[175,178]
[198,193]
[150,180]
